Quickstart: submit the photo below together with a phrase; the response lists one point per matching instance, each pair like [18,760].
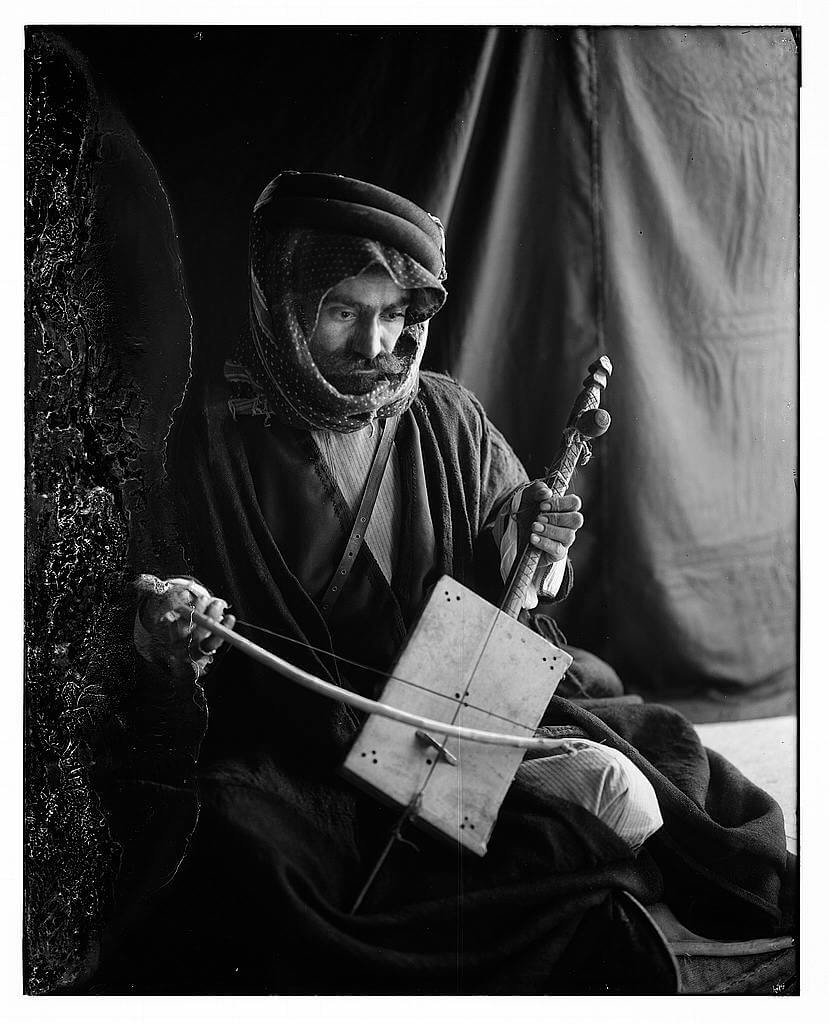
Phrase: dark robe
[283,845]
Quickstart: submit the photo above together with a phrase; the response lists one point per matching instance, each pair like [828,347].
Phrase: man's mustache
[385,364]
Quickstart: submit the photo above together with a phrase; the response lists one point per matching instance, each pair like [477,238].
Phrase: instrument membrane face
[466,663]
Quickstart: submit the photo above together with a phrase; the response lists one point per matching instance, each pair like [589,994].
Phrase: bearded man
[327,484]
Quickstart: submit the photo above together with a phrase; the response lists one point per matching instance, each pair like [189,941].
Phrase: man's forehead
[373,286]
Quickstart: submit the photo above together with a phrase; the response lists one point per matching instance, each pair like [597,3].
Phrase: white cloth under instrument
[602,780]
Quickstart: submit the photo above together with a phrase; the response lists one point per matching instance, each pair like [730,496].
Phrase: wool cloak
[260,901]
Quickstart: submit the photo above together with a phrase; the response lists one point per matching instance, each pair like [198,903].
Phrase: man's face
[358,327]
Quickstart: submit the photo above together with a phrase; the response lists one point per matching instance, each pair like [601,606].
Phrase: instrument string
[395,836]
[412,808]
[419,794]
[388,675]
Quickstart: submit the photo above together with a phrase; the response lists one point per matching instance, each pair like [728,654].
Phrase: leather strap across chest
[361,520]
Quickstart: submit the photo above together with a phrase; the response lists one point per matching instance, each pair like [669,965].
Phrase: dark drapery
[622,190]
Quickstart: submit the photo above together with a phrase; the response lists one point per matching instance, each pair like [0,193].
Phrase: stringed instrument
[470,664]
[462,704]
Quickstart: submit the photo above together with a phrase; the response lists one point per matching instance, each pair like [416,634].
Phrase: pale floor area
[765,751]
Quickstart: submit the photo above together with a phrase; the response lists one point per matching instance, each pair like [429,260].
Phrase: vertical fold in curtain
[520,326]
[633,191]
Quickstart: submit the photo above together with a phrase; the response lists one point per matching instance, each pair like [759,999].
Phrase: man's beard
[353,374]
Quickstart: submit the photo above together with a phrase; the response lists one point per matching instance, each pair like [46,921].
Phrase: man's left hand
[553,522]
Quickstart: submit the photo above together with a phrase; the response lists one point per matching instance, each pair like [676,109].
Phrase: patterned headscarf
[292,268]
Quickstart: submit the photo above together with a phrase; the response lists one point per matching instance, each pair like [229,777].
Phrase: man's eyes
[340,312]
[345,314]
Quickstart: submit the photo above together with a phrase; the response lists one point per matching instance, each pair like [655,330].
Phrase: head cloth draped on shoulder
[308,233]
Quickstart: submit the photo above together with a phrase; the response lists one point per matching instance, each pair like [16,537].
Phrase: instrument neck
[583,424]
[526,565]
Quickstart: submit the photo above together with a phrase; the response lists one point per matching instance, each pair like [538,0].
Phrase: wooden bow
[366,704]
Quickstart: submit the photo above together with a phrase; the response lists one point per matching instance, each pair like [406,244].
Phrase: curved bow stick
[334,692]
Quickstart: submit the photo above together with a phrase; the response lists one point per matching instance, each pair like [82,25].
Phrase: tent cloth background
[629,191]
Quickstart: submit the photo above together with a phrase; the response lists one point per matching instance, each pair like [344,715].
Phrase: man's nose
[368,338]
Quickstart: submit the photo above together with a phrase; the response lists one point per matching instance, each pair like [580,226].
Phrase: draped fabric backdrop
[629,191]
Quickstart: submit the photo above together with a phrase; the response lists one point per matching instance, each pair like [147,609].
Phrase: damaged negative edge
[87,471]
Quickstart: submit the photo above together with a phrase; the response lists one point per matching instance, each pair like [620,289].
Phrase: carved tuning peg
[593,422]
[603,363]
[599,372]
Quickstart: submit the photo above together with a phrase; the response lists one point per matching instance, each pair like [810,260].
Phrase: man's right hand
[165,632]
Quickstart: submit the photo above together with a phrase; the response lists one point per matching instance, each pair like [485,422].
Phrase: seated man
[324,422]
